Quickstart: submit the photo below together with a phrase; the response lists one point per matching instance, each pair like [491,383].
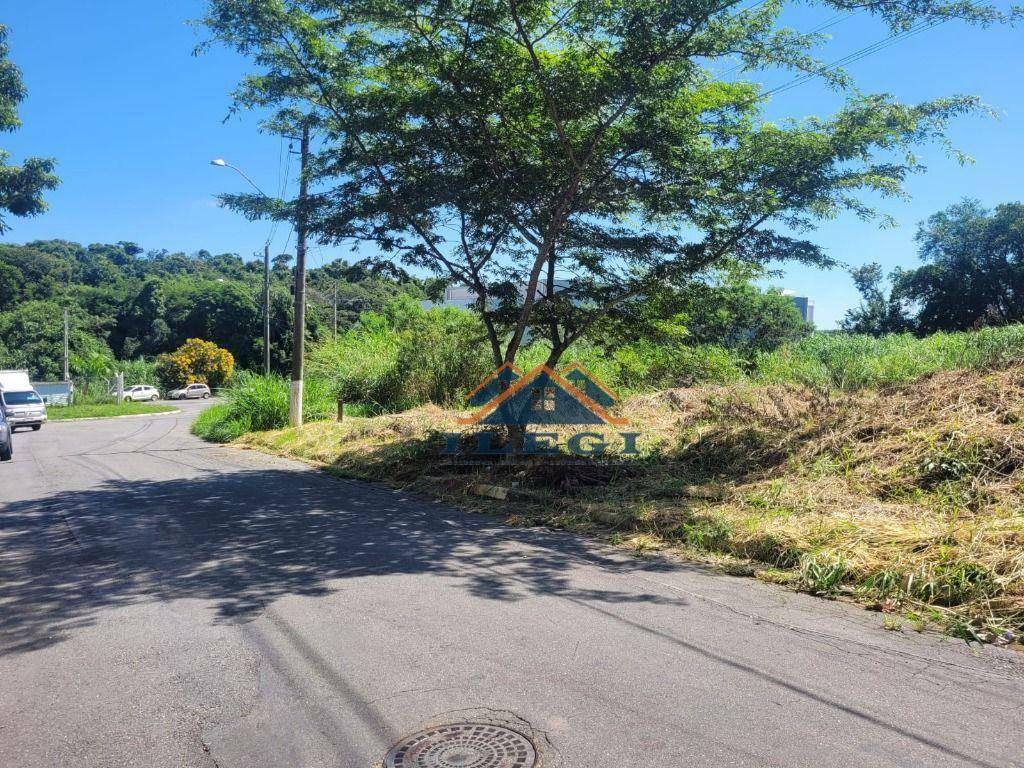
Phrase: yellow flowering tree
[195,361]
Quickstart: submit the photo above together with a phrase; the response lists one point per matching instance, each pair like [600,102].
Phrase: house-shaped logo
[589,385]
[493,385]
[543,396]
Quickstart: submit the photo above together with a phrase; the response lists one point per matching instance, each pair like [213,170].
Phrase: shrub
[404,356]
[195,361]
[258,403]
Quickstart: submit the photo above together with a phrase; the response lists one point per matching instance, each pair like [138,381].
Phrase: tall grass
[406,356]
[643,366]
[137,371]
[403,357]
[258,403]
[849,361]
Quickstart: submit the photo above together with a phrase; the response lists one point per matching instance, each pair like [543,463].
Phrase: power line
[820,28]
[855,56]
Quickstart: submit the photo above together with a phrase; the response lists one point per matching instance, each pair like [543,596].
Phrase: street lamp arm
[224,164]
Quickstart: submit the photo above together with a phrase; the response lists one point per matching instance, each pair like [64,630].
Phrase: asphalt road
[164,602]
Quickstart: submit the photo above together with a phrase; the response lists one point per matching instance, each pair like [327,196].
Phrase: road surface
[164,602]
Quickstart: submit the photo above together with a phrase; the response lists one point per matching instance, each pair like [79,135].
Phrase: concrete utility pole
[67,373]
[299,329]
[334,311]
[266,309]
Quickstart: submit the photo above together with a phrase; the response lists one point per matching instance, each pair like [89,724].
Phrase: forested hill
[125,302]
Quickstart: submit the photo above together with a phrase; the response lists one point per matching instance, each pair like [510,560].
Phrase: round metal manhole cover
[463,745]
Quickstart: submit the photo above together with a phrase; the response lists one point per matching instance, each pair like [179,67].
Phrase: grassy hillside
[908,498]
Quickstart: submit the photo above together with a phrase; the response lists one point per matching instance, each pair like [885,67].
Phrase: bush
[404,356]
[195,361]
[258,403]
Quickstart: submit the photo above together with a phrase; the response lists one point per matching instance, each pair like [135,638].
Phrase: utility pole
[266,309]
[334,311]
[67,373]
[299,329]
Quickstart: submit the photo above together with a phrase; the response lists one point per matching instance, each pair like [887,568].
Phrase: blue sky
[133,119]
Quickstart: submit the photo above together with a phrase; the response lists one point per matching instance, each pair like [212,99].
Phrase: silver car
[189,392]
[23,409]
[6,442]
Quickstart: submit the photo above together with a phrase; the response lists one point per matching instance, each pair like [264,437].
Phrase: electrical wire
[820,28]
[857,55]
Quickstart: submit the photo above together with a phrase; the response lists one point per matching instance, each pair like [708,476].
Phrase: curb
[108,418]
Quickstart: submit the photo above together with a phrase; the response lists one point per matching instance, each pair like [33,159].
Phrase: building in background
[803,304]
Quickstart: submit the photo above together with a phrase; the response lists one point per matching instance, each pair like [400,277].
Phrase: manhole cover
[463,745]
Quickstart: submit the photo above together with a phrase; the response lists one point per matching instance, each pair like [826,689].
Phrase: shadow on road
[245,539]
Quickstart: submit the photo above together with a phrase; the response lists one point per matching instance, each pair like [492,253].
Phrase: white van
[21,403]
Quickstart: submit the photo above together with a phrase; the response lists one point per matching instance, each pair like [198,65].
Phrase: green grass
[849,362]
[258,403]
[103,410]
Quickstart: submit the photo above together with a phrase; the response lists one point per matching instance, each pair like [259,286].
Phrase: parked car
[6,441]
[141,392]
[22,405]
[189,392]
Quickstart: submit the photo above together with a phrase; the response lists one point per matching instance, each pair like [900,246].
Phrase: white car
[141,392]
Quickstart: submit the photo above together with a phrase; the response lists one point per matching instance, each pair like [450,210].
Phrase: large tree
[566,157]
[21,186]
[972,275]
[879,312]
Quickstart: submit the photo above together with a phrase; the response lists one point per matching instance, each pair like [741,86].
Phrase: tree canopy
[125,302]
[21,186]
[972,275]
[565,158]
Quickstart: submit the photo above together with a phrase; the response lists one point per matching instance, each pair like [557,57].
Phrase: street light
[299,319]
[222,163]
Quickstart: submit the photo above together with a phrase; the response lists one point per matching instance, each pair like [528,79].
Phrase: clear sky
[133,119]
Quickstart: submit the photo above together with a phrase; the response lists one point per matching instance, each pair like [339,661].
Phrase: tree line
[971,276]
[124,303]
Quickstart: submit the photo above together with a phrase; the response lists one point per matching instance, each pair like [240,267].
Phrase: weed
[821,574]
[892,624]
[710,534]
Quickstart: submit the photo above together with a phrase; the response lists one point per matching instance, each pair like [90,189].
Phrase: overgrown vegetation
[404,356]
[854,361]
[907,499]
[255,403]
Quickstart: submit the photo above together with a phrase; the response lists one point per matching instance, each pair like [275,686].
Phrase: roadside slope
[907,499]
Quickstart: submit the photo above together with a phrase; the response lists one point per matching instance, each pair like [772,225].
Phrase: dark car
[6,441]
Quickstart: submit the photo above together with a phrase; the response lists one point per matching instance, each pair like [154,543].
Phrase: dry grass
[909,499]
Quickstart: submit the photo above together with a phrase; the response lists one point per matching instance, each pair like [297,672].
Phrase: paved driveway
[164,602]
